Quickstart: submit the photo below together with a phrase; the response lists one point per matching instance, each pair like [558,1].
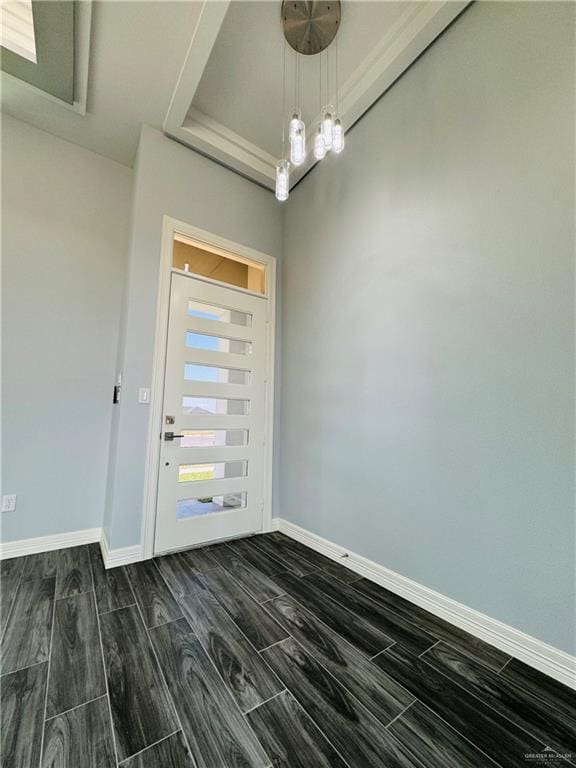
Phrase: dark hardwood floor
[258,653]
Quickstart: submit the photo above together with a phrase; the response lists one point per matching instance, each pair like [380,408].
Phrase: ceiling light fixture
[309,28]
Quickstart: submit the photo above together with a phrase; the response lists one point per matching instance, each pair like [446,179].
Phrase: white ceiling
[136,52]
[241,86]
[210,74]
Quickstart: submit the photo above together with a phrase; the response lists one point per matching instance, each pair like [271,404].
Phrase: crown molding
[397,49]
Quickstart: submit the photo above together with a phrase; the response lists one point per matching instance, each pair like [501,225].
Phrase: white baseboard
[121,556]
[538,654]
[10,549]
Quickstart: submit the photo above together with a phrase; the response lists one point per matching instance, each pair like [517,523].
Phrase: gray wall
[169,179]
[64,241]
[428,356]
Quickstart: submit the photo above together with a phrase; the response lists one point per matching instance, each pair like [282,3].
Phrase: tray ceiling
[228,103]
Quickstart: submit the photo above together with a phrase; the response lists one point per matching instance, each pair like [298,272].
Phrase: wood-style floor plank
[10,575]
[42,565]
[216,731]
[379,694]
[527,711]
[549,691]
[352,628]
[111,585]
[154,599]
[170,753]
[26,638]
[200,560]
[256,557]
[290,737]
[429,739]
[292,561]
[245,673]
[405,633]
[335,569]
[22,696]
[141,709]
[74,574]
[359,738]
[82,737]
[499,738]
[258,626]
[76,669]
[471,646]
[178,574]
[256,583]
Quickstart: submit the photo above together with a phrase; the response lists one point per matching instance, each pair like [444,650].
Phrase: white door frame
[170,228]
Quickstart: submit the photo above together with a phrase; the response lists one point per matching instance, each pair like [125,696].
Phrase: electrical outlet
[9,502]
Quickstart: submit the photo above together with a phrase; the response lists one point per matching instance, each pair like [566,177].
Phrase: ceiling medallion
[309,28]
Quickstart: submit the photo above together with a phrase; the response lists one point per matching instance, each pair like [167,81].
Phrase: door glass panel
[195,372]
[217,343]
[209,438]
[220,314]
[216,470]
[220,406]
[210,504]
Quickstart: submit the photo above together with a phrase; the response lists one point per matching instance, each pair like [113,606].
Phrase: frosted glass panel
[217,343]
[216,470]
[210,505]
[195,372]
[220,406]
[220,314]
[209,438]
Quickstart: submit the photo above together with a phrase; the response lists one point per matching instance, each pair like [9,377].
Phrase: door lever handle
[171,436]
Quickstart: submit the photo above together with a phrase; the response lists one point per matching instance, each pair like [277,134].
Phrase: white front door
[211,475]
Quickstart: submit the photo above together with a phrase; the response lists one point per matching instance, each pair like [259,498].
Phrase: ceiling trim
[82,36]
[398,48]
[203,39]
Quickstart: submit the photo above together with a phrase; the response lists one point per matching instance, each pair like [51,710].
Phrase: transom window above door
[227,269]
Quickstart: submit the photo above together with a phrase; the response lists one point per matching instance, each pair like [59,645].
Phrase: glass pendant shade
[298,144]
[282,180]
[319,145]
[295,124]
[328,126]
[337,136]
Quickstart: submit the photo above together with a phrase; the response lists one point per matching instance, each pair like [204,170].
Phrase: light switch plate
[9,502]
[144,395]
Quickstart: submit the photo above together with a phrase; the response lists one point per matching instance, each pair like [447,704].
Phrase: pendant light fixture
[310,26]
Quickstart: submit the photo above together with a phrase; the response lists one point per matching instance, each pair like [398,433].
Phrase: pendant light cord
[283,100]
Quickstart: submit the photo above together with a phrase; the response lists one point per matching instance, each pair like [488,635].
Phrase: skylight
[17,28]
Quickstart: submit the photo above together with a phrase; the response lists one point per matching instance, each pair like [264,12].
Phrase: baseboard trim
[9,549]
[122,556]
[538,654]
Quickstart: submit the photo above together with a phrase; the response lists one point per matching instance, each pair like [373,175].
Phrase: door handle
[171,436]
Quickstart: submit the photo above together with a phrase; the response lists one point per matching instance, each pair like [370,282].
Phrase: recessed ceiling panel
[241,87]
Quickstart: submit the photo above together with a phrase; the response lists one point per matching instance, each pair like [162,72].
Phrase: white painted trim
[203,38]
[21,547]
[536,653]
[400,45]
[228,147]
[170,229]
[114,557]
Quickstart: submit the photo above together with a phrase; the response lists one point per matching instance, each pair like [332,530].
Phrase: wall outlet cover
[9,502]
